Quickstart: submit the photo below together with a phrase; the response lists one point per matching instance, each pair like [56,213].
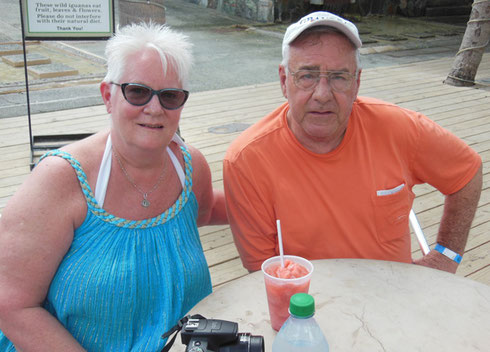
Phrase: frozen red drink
[283,282]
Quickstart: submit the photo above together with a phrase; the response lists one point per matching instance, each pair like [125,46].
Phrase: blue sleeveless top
[124,283]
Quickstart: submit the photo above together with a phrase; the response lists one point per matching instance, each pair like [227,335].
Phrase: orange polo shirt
[353,202]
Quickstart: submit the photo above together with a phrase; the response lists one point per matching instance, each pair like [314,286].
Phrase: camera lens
[245,343]
[256,344]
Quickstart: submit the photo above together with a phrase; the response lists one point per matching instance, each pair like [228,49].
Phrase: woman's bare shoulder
[201,174]
[88,152]
[198,159]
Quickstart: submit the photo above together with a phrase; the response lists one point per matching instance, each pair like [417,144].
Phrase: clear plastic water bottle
[300,332]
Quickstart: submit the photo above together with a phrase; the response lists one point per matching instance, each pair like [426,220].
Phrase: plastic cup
[279,291]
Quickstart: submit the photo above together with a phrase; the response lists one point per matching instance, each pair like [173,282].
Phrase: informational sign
[68,19]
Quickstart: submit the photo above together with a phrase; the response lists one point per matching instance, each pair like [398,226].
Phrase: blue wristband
[448,253]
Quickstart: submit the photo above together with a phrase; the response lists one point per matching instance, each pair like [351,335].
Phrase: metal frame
[40,143]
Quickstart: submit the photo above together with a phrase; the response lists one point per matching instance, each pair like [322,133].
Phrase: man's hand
[436,260]
[459,211]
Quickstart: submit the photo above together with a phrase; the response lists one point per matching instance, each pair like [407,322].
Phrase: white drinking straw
[279,236]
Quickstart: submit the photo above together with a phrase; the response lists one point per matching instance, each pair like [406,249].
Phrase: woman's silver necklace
[145,203]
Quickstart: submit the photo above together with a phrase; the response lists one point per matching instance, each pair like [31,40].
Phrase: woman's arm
[211,201]
[36,230]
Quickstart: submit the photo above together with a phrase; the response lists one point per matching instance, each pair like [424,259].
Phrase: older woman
[100,249]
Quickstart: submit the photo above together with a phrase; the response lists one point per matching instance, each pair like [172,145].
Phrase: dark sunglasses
[139,94]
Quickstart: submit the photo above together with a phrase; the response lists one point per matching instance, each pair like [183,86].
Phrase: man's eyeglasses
[339,81]
[139,94]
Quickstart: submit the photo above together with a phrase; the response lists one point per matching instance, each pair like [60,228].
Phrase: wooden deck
[208,123]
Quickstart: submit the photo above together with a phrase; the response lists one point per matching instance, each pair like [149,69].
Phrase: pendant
[145,203]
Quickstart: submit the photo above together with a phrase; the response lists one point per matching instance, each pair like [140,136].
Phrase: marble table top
[368,305]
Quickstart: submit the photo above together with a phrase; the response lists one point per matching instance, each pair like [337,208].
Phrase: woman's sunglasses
[139,94]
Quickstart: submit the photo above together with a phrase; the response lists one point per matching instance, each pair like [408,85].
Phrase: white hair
[174,49]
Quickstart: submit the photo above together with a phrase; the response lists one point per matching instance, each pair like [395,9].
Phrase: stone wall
[141,10]
[256,10]
[269,11]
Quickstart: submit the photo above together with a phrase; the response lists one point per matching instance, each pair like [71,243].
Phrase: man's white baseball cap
[322,18]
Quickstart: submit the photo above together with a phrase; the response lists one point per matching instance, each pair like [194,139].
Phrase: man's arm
[251,218]
[459,211]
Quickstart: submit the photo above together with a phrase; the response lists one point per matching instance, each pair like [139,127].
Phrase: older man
[338,169]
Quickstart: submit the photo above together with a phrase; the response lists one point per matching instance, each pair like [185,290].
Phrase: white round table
[368,305]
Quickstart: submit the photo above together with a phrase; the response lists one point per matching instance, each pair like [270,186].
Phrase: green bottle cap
[302,305]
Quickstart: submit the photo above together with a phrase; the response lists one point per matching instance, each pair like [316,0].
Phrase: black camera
[203,335]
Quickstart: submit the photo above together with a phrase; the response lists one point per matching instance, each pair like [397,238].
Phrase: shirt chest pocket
[391,208]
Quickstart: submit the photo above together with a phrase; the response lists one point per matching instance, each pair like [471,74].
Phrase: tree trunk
[475,39]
